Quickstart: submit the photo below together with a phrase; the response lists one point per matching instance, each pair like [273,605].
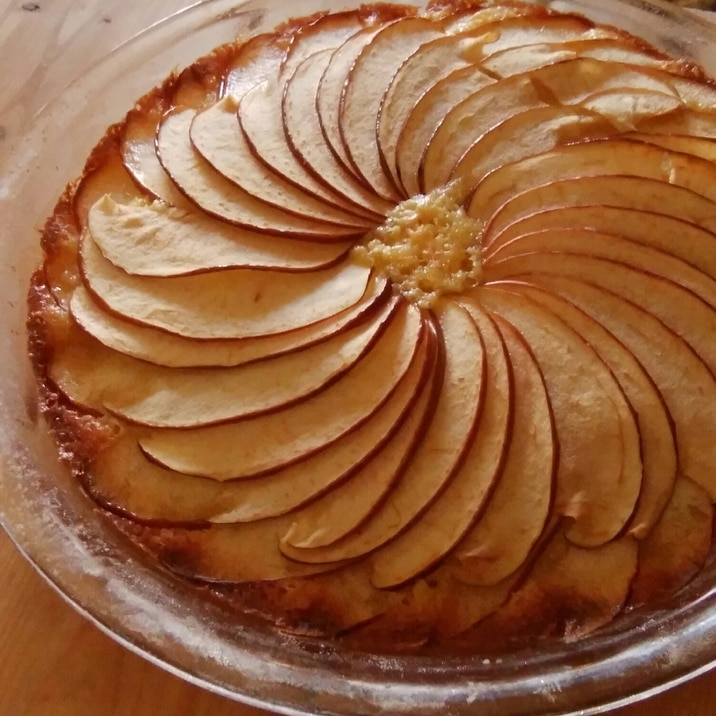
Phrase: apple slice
[252,447]
[520,32]
[347,506]
[449,516]
[123,476]
[514,60]
[682,310]
[230,303]
[322,594]
[467,605]
[430,63]
[217,136]
[686,123]
[502,539]
[704,147]
[654,422]
[695,245]
[424,120]
[139,155]
[365,86]
[473,18]
[258,58]
[670,78]
[429,609]
[525,58]
[302,126]
[597,158]
[600,472]
[162,348]
[574,81]
[163,397]
[524,135]
[588,242]
[570,592]
[159,240]
[633,108]
[685,383]
[678,547]
[109,177]
[217,196]
[194,87]
[439,453]
[227,553]
[698,95]
[594,195]
[330,92]
[329,31]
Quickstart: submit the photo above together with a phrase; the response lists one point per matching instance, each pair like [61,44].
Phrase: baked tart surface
[397,327]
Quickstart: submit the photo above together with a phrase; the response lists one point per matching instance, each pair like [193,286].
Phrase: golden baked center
[397,327]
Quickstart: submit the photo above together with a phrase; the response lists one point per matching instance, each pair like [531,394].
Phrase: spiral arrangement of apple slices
[535,446]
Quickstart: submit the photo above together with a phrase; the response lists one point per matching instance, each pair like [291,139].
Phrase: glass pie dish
[64,537]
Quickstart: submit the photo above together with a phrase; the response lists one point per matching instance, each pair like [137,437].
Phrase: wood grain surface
[52,661]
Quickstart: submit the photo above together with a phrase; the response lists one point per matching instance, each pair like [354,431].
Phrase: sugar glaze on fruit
[428,246]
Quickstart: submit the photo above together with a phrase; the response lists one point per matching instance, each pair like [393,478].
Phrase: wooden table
[53,662]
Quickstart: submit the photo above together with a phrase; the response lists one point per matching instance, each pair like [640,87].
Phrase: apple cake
[396,326]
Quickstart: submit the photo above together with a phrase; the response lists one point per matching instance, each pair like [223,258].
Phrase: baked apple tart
[397,326]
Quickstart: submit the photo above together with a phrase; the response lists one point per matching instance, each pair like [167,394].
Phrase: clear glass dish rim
[682,642]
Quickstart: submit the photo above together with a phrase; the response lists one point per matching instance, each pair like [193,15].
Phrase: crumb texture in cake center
[428,246]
